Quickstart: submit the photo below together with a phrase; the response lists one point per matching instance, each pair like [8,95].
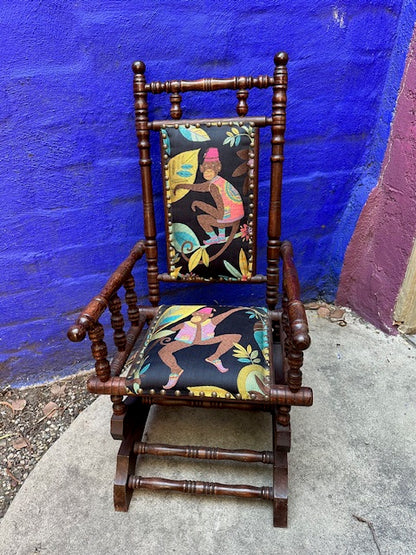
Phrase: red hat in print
[212,155]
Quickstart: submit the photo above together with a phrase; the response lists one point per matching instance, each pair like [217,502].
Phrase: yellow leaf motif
[205,257]
[176,271]
[189,158]
[195,259]
[246,380]
[243,263]
[239,351]
[235,130]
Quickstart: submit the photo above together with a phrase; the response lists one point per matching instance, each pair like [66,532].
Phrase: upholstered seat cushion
[204,350]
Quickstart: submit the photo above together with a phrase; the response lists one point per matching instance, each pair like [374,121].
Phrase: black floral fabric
[210,199]
[197,349]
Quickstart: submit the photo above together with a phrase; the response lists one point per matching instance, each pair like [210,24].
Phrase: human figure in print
[198,330]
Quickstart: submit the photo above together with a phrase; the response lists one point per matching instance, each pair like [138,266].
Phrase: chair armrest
[94,309]
[295,310]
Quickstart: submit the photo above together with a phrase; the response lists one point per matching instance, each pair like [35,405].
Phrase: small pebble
[39,432]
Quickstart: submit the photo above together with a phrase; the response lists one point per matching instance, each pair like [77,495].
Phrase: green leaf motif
[184,239]
[259,337]
[194,134]
[233,271]
[229,140]
[171,315]
[144,369]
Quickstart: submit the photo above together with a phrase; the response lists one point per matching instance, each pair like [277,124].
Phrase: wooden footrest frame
[133,448]
[201,488]
[200,452]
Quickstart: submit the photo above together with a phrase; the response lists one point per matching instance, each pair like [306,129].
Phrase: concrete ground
[354,453]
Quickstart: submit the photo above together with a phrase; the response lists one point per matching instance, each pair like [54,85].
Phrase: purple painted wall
[377,256]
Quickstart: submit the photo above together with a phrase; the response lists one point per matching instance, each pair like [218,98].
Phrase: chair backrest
[210,182]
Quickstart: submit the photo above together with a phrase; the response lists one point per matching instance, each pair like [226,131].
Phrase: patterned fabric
[220,351]
[210,198]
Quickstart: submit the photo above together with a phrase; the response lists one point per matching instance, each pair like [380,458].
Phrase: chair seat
[217,351]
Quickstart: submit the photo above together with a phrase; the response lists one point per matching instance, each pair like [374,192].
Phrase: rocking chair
[204,355]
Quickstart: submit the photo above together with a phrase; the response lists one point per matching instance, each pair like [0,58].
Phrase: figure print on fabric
[210,229]
[215,350]
[228,206]
[198,330]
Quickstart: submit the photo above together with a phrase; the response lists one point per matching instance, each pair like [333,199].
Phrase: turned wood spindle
[242,106]
[176,109]
[142,131]
[119,406]
[278,129]
[131,300]
[283,415]
[286,324]
[117,322]
[203,452]
[99,352]
[294,356]
[295,359]
[200,487]
[272,283]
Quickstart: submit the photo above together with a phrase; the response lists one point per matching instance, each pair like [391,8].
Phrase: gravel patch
[31,420]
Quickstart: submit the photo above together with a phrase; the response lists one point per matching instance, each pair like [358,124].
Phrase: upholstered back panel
[210,188]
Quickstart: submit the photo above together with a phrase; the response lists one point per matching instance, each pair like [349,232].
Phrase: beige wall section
[405,309]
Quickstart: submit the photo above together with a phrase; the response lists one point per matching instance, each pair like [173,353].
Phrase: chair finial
[281,59]
[138,67]
[76,333]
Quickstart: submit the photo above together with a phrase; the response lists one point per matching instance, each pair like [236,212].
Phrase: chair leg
[122,424]
[126,457]
[281,447]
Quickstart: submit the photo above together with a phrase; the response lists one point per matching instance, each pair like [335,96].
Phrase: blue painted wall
[69,175]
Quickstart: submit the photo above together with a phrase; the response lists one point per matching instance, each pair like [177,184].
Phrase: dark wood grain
[279,395]
[295,309]
[200,487]
[294,318]
[276,159]
[142,132]
[208,84]
[126,457]
[257,121]
[95,308]
[203,452]
[281,447]
[117,322]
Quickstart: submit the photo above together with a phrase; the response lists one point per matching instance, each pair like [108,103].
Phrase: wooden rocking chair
[204,355]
